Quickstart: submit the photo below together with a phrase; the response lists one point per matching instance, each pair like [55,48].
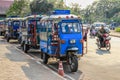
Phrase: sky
[83,3]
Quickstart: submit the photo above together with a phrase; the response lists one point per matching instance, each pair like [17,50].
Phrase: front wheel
[73,62]
[108,46]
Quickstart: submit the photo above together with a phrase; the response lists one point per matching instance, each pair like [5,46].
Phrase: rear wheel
[108,46]
[73,62]
[19,40]
[8,39]
[41,54]
[45,58]
[25,48]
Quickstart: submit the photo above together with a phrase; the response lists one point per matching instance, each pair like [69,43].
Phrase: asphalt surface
[95,65]
[34,56]
[15,65]
[101,64]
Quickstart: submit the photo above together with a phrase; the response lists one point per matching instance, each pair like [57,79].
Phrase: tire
[25,48]
[22,44]
[98,44]
[108,46]
[8,39]
[5,36]
[0,33]
[19,40]
[41,54]
[45,58]
[73,62]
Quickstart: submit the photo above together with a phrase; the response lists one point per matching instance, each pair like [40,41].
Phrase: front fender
[74,49]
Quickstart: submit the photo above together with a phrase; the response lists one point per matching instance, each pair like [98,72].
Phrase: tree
[58,4]
[102,10]
[75,8]
[19,8]
[40,7]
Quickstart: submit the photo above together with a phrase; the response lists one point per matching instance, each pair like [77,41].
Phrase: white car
[98,25]
[85,26]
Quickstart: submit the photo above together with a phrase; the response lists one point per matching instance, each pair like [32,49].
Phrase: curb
[114,35]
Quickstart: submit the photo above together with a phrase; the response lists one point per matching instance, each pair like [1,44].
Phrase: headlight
[72,41]
[29,40]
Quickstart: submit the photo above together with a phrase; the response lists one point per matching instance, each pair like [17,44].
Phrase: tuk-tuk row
[13,25]
[58,35]
[2,27]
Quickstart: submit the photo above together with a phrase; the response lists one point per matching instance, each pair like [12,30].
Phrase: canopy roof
[60,17]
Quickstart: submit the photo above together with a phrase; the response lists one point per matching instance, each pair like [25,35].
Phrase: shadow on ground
[15,55]
[32,69]
[54,66]
[102,51]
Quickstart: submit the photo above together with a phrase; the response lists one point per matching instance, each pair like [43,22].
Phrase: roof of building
[4,5]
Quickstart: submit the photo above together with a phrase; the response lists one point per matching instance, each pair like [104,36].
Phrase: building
[4,6]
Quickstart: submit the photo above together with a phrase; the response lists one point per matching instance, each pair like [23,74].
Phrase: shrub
[117,29]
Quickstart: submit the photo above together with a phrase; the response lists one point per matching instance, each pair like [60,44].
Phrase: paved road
[96,65]
[17,66]
[101,64]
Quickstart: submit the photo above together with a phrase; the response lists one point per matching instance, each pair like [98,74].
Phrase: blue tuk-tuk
[30,37]
[61,37]
[13,26]
[2,27]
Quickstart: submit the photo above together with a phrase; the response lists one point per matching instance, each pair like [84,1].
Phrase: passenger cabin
[13,25]
[2,27]
[30,33]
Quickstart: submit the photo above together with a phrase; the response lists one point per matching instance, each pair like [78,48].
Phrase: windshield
[16,23]
[71,27]
[99,25]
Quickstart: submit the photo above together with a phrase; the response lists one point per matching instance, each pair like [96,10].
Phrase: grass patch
[117,29]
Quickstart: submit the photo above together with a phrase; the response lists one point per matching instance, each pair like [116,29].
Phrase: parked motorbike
[105,43]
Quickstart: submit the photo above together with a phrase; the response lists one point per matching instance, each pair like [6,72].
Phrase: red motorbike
[105,43]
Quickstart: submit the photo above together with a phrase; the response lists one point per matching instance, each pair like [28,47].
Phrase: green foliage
[103,10]
[75,9]
[40,7]
[117,29]
[19,8]
[59,4]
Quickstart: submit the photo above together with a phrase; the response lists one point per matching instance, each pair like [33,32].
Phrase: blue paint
[58,12]
[67,37]
[71,31]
